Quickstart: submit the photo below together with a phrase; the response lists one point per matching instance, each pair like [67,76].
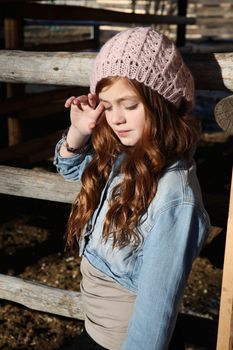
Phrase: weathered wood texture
[15,128]
[83,13]
[224,114]
[39,297]
[66,303]
[60,68]
[37,184]
[210,71]
[225,325]
[31,151]
[69,46]
[14,38]
[202,10]
[31,100]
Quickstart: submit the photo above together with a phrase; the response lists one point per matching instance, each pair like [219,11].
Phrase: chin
[129,144]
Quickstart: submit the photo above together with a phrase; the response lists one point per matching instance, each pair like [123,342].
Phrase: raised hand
[84,112]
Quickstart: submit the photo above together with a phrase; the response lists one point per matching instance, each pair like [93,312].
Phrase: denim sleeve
[71,168]
[171,247]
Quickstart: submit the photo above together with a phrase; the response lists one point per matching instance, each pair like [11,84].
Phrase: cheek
[140,121]
[108,119]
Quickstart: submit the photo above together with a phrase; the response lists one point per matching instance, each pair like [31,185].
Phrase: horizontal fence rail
[37,184]
[40,297]
[59,68]
[212,71]
[64,12]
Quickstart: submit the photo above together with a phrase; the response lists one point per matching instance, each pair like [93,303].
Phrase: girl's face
[124,111]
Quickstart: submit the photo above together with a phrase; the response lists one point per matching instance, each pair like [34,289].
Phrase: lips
[122,132]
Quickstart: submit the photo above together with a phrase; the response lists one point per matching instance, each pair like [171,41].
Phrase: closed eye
[130,108]
[107,108]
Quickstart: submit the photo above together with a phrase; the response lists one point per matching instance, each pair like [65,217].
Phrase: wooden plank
[210,2]
[215,22]
[219,47]
[210,32]
[15,125]
[83,13]
[39,99]
[181,29]
[39,297]
[224,32]
[31,151]
[69,46]
[13,34]
[13,1]
[210,71]
[58,68]
[127,6]
[37,184]
[218,11]
[44,111]
[225,325]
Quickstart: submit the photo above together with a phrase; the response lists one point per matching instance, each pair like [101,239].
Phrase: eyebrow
[121,99]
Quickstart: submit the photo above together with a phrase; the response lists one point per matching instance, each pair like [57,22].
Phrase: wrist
[74,143]
[75,135]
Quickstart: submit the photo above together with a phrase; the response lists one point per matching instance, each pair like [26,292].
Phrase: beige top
[107,307]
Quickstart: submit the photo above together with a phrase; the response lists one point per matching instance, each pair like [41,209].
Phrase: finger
[97,112]
[92,125]
[92,99]
[81,99]
[69,101]
[100,108]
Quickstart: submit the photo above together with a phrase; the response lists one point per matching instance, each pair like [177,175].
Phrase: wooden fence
[71,70]
[15,14]
[212,72]
[213,17]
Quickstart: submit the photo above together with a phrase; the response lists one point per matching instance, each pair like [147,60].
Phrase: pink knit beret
[148,57]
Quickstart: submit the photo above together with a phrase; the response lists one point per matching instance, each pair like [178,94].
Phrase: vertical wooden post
[13,34]
[181,28]
[96,35]
[225,325]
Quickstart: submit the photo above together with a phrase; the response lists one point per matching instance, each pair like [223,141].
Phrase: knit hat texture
[149,57]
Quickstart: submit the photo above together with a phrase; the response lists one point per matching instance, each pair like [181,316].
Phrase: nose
[117,116]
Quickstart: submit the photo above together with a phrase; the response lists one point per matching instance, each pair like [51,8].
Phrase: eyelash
[108,109]
[127,108]
[131,107]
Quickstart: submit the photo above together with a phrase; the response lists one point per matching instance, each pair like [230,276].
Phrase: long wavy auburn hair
[168,134]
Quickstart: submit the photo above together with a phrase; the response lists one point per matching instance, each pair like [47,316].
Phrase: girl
[139,219]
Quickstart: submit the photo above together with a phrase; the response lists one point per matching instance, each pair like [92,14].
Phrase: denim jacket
[173,230]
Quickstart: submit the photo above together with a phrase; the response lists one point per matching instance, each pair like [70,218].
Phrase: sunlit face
[124,111]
